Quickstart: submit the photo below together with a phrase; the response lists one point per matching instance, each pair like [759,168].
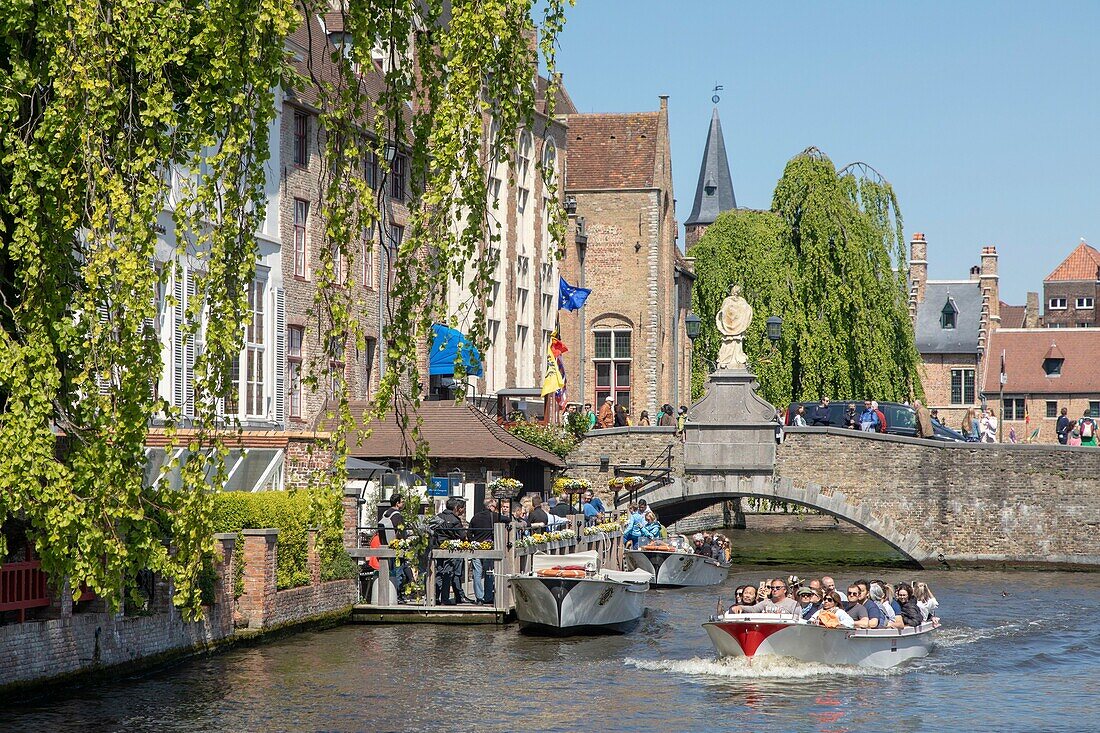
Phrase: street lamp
[693,323]
[775,328]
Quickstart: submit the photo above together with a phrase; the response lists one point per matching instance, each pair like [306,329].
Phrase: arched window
[550,159]
[523,170]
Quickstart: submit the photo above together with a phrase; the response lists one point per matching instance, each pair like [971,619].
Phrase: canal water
[1019,651]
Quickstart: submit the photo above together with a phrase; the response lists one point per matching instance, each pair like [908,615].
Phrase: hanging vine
[829,260]
[121,121]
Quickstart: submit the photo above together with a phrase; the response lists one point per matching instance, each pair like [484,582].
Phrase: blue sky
[982,115]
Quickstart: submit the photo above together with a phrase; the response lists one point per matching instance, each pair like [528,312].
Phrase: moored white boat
[768,634]
[675,569]
[570,594]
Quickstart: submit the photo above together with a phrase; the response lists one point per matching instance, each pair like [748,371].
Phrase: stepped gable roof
[452,431]
[608,151]
[1026,348]
[931,336]
[714,191]
[563,103]
[1083,263]
[1012,316]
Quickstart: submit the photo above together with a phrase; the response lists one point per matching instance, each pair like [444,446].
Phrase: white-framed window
[522,296]
[301,221]
[523,170]
[521,200]
[962,386]
[248,383]
[1094,408]
[613,365]
[1083,303]
[523,266]
[550,161]
[1056,304]
[295,354]
[1056,325]
[1083,324]
[547,305]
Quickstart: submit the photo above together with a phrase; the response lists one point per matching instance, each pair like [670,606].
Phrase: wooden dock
[365,613]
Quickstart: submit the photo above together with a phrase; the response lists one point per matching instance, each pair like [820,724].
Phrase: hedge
[290,512]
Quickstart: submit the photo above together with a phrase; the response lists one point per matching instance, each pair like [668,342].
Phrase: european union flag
[569,297]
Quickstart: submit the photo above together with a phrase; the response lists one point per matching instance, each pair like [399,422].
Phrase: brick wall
[624,446]
[935,372]
[1071,291]
[968,501]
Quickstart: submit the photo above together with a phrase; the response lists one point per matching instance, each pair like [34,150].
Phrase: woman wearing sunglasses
[831,614]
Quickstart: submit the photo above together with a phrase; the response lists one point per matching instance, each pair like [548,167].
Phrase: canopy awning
[446,345]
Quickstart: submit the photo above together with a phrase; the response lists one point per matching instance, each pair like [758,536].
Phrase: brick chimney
[975,273]
[918,271]
[990,283]
[1031,311]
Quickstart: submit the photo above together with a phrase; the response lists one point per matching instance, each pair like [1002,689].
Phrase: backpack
[1088,427]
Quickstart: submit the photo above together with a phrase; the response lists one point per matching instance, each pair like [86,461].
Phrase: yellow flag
[553,380]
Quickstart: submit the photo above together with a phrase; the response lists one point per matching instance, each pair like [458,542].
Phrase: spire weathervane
[716,98]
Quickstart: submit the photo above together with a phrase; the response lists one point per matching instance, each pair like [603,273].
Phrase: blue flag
[569,297]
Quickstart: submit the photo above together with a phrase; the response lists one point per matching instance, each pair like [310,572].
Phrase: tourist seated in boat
[809,601]
[652,529]
[749,595]
[777,602]
[831,614]
[828,585]
[874,610]
[858,611]
[815,584]
[632,532]
[910,613]
[926,602]
[878,599]
[794,583]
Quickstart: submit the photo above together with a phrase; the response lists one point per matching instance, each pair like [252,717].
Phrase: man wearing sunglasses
[776,602]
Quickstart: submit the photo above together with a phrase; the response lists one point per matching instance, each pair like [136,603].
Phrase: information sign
[439,486]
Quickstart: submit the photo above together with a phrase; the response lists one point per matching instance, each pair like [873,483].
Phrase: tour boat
[571,594]
[781,635]
[672,568]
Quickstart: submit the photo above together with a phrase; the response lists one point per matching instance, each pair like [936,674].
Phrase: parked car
[900,419]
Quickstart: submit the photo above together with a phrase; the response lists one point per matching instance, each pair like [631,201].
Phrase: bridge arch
[684,496]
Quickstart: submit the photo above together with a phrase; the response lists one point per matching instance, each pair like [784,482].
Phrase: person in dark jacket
[1064,426]
[910,614]
[621,420]
[666,417]
[448,571]
[820,414]
[481,530]
[851,419]
[538,516]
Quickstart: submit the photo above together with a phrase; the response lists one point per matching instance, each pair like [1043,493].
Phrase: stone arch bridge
[960,503]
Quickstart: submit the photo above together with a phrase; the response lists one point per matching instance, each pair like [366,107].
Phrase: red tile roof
[1082,264]
[612,150]
[1025,350]
[1012,316]
[452,431]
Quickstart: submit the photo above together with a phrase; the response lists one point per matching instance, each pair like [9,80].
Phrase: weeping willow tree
[828,258]
[99,101]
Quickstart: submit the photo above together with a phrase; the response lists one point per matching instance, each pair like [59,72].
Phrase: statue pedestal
[731,429]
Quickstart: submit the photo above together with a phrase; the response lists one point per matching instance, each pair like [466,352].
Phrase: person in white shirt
[926,602]
[777,602]
[831,604]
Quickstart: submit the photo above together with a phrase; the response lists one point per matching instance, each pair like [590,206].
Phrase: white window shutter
[280,356]
[179,316]
[102,380]
[189,356]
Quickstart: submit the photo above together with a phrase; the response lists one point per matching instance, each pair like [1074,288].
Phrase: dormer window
[949,315]
[1053,367]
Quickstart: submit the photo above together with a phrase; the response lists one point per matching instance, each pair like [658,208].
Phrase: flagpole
[1000,423]
[582,340]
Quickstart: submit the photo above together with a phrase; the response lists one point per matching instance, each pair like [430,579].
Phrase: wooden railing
[23,586]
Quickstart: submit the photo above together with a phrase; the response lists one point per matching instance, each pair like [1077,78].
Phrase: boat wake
[761,668]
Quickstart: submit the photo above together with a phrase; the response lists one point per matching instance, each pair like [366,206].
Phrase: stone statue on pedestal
[733,320]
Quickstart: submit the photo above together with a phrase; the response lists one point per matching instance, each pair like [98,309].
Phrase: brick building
[714,191]
[630,336]
[1045,371]
[1070,292]
[522,309]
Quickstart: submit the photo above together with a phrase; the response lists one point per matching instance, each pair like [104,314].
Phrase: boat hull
[677,569]
[757,635]
[567,606]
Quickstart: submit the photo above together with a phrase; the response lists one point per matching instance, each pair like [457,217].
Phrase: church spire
[714,192]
